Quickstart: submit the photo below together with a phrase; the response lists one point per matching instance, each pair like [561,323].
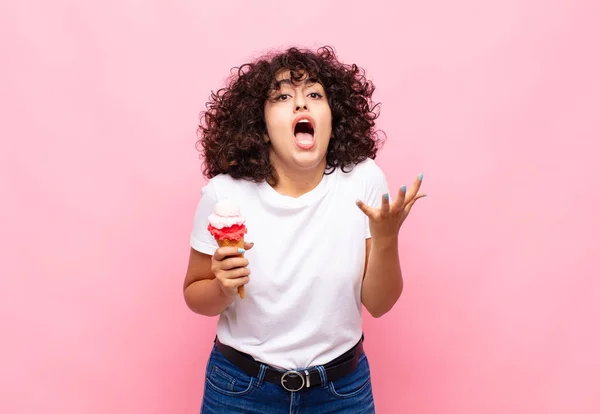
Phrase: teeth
[304,121]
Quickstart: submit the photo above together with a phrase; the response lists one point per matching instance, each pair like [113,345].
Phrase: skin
[298,170]
[211,282]
[382,282]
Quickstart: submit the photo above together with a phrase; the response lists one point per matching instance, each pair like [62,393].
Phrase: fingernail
[241,251]
[424,195]
[403,188]
[358,202]
[420,176]
[386,196]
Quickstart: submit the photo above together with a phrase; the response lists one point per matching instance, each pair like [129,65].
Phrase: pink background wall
[497,102]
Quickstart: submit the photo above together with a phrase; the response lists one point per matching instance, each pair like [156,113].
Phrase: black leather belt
[295,380]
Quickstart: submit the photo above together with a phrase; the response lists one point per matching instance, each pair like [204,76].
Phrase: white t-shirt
[302,306]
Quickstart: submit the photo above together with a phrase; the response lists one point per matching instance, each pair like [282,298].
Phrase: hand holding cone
[227,226]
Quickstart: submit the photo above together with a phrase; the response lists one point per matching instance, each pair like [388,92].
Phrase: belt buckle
[291,374]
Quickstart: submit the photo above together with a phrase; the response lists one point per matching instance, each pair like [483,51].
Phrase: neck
[296,183]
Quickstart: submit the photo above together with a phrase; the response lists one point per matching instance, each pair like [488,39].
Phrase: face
[298,119]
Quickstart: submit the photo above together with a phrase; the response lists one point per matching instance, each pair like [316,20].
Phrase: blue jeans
[227,389]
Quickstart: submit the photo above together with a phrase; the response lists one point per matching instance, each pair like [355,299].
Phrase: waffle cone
[234,243]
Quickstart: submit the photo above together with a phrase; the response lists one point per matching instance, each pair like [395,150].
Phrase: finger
[225,275]
[385,203]
[233,262]
[224,252]
[409,205]
[365,208]
[399,203]
[234,283]
[248,245]
[414,189]
[237,273]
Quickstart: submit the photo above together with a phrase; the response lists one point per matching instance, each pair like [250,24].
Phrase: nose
[300,103]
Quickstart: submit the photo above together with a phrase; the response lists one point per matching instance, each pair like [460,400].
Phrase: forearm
[382,284]
[206,297]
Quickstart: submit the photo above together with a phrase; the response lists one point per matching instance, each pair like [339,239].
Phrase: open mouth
[304,132]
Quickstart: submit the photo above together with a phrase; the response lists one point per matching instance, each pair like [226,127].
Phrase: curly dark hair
[232,129]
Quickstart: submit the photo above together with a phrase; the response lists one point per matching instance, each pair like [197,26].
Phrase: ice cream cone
[226,225]
[238,244]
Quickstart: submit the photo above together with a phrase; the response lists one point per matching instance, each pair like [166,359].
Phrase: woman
[291,140]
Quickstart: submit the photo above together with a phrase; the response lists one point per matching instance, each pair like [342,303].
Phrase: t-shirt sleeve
[201,239]
[375,187]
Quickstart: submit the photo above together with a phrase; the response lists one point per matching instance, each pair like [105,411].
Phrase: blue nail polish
[241,251]
[403,189]
[386,196]
[420,176]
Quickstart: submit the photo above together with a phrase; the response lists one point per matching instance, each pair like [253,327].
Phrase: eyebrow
[287,81]
[278,83]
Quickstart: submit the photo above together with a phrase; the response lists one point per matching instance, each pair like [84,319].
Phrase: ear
[266,138]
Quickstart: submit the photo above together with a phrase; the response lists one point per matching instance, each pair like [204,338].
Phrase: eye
[315,95]
[282,97]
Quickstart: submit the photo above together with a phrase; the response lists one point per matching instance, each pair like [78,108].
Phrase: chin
[307,165]
[308,159]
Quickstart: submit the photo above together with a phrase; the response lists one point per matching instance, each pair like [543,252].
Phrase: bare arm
[211,282]
[382,282]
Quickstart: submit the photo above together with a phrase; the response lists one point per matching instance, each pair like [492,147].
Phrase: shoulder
[366,171]
[224,182]
[225,186]
[369,168]
[369,178]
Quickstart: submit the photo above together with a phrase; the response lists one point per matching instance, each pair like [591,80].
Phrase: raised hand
[385,222]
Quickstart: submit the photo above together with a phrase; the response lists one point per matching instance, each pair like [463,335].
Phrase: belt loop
[323,376]
[261,375]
